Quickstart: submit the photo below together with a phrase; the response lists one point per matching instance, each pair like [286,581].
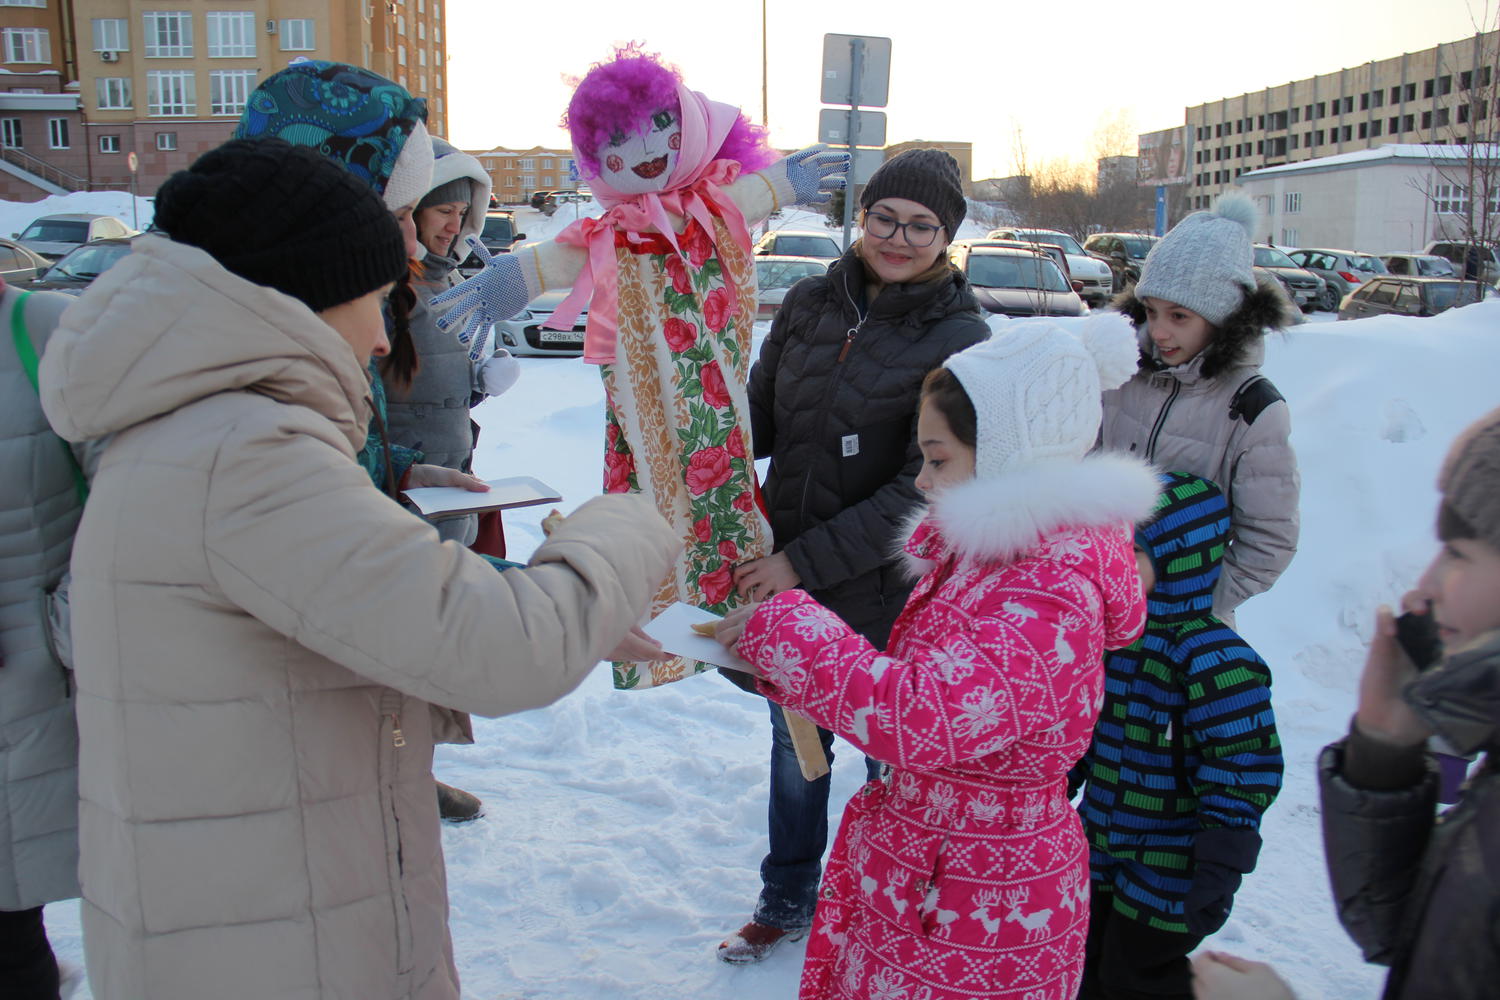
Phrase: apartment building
[516,173]
[1446,94]
[168,79]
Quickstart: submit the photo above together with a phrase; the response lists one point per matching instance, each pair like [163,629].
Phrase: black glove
[1221,857]
[1210,897]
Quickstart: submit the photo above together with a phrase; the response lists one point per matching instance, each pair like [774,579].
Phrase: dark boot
[456,805]
[754,943]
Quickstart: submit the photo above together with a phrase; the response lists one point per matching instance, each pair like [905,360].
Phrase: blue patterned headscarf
[373,126]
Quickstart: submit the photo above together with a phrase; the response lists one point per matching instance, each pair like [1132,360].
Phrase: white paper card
[514,491]
[673,628]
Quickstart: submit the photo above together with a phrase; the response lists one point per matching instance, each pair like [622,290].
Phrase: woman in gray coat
[41,497]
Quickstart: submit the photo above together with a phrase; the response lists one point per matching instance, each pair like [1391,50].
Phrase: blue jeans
[798,821]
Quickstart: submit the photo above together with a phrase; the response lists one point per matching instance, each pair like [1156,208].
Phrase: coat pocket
[872,456]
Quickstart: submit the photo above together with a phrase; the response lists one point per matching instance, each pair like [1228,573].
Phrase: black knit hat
[286,217]
[929,177]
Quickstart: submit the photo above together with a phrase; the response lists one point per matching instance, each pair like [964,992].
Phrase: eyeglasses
[882,226]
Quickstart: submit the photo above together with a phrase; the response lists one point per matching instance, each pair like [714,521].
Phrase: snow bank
[624,829]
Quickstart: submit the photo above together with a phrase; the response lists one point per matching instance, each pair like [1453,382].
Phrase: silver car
[52,236]
[523,335]
[1342,272]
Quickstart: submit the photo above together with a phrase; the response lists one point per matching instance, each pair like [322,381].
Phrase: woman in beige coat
[259,630]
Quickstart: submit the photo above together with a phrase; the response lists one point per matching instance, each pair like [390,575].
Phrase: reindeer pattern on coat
[964,874]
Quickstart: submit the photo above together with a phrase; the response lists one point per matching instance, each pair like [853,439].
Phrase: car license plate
[559,337]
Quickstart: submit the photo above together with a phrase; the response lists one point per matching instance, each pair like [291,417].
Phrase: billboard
[1163,157]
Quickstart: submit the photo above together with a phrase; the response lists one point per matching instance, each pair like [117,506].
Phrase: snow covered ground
[623,830]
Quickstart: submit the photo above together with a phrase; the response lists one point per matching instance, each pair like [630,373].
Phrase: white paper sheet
[673,628]
[451,501]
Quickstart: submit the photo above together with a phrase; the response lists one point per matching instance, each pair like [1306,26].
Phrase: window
[1450,199]
[171,93]
[111,34]
[1463,113]
[1445,86]
[1411,92]
[437,105]
[109,144]
[28,45]
[1375,128]
[1385,292]
[1441,117]
[422,30]
[231,34]
[228,89]
[114,92]
[1296,115]
[1290,237]
[1346,133]
[528,164]
[437,14]
[1408,122]
[23,3]
[1409,300]
[422,83]
[297,35]
[1395,94]
[547,180]
[401,55]
[421,57]
[1322,109]
[169,33]
[166,141]
[1426,88]
[528,181]
[57,133]
[1465,80]
[437,35]
[1377,98]
[1364,130]
[400,24]
[1291,203]
[1427,119]
[10,133]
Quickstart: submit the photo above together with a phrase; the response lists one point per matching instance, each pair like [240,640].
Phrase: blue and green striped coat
[1186,739]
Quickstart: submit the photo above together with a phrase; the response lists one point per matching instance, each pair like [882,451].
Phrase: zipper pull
[397,740]
[848,343]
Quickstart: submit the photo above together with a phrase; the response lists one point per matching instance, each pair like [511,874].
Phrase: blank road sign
[874,73]
[833,127]
[865,162]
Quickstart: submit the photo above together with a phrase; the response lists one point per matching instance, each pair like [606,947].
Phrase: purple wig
[621,94]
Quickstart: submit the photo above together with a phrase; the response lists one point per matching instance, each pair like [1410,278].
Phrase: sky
[982,72]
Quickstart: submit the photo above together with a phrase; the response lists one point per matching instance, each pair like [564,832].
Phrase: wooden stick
[807,743]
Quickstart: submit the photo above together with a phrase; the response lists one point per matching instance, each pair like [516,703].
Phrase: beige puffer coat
[259,632]
[1180,421]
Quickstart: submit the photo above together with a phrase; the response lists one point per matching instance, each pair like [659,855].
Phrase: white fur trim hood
[1002,516]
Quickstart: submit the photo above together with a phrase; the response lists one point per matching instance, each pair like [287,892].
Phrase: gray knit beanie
[1206,263]
[1470,483]
[929,177]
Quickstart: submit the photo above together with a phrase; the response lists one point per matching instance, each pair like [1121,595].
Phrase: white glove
[499,372]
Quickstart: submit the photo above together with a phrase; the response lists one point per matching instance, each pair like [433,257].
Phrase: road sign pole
[857,59]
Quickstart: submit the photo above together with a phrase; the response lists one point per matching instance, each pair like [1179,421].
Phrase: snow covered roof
[1387,154]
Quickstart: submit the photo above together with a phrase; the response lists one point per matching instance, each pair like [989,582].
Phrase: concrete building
[517,173]
[170,84]
[1387,200]
[1111,171]
[1442,95]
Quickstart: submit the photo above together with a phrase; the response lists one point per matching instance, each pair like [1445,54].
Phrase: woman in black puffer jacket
[833,403]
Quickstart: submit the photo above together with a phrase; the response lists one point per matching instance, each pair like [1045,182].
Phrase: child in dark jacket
[1184,761]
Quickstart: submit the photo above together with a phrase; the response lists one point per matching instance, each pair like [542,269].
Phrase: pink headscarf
[696,183]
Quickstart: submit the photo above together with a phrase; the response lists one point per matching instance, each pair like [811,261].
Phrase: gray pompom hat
[1206,263]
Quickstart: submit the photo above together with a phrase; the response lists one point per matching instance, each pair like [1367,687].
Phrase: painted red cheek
[676,141]
[614,163]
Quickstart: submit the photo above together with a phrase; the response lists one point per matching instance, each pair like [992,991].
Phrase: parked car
[777,274]
[1406,295]
[1052,250]
[1419,265]
[1485,260]
[797,243]
[1302,286]
[18,265]
[523,335]
[1016,282]
[77,270]
[1097,278]
[1123,252]
[498,235]
[52,236]
[1342,272]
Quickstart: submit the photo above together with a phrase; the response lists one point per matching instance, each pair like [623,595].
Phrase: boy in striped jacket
[1184,761]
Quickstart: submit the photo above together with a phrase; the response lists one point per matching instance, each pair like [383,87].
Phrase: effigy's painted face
[641,160]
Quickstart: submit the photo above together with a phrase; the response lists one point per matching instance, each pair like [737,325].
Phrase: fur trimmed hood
[1266,308]
[998,518]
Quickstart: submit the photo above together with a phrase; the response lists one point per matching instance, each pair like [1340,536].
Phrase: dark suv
[1125,253]
[498,234]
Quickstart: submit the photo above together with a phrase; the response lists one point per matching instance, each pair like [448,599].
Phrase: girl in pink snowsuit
[964,873]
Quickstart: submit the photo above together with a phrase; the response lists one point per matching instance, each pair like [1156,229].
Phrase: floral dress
[677,417]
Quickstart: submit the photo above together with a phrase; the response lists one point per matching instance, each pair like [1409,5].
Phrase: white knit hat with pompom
[1036,387]
[1206,262]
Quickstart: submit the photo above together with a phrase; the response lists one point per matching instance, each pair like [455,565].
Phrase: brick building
[170,84]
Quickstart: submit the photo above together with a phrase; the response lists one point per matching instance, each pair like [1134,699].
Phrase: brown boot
[754,942]
[456,805]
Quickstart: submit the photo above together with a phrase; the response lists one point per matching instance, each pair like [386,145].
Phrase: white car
[523,334]
[1098,280]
